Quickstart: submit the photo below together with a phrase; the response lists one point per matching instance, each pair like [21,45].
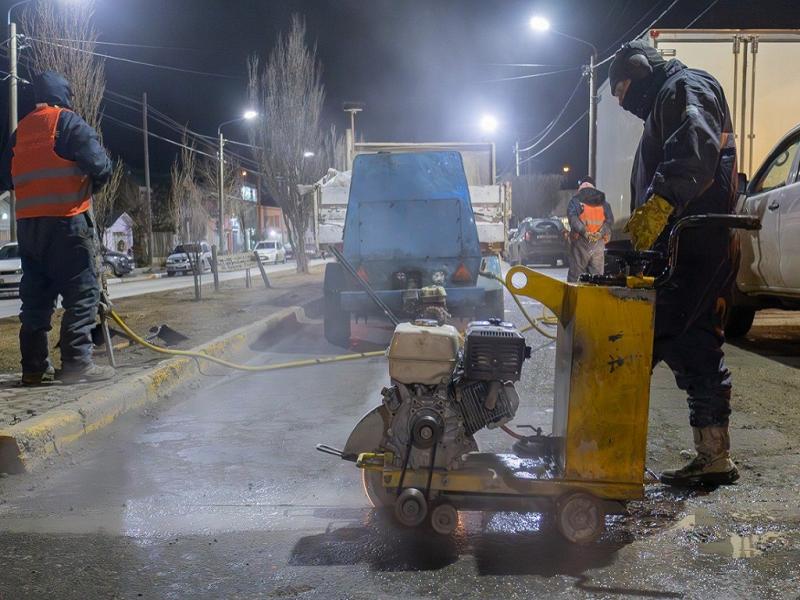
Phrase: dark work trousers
[58,258]
[585,257]
[689,325]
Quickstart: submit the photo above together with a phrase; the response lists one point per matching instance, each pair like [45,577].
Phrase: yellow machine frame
[602,392]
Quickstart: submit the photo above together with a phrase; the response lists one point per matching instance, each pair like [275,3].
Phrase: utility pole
[221,192]
[12,115]
[150,245]
[593,115]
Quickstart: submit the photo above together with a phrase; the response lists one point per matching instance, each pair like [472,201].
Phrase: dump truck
[491,202]
[755,69]
[410,245]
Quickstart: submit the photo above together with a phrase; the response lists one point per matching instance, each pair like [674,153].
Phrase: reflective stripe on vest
[593,217]
[45,184]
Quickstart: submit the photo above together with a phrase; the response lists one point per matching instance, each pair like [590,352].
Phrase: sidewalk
[233,309]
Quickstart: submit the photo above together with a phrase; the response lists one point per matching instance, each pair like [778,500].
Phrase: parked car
[116,263]
[539,241]
[769,272]
[270,252]
[10,268]
[179,261]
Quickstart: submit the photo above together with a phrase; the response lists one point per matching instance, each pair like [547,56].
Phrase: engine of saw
[441,394]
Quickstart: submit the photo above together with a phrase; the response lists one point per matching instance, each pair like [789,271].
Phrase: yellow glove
[648,221]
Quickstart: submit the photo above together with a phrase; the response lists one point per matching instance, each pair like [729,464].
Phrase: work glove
[593,237]
[648,221]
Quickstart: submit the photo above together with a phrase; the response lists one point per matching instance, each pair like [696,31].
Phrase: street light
[308,154]
[248,115]
[488,123]
[541,24]
[565,169]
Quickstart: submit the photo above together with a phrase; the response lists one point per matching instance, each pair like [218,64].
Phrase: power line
[700,16]
[563,133]
[530,76]
[537,139]
[128,45]
[137,62]
[645,30]
[532,65]
[624,36]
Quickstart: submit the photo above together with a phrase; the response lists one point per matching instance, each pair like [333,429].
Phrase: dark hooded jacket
[592,197]
[75,139]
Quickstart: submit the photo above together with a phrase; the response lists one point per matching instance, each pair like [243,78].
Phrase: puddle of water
[699,518]
[747,546]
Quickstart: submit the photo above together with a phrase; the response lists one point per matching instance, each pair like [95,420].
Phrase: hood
[647,71]
[591,196]
[51,88]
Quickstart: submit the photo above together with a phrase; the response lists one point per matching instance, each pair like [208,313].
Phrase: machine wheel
[444,519]
[580,517]
[336,321]
[411,507]
[739,321]
[378,496]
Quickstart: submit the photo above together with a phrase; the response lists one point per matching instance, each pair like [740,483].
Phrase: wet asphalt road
[220,494]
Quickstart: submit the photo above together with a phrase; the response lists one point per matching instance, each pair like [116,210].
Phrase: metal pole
[259,227]
[215,267]
[12,118]
[221,192]
[150,245]
[516,158]
[592,116]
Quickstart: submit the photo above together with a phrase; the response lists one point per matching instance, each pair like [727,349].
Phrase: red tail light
[462,274]
[527,236]
[362,272]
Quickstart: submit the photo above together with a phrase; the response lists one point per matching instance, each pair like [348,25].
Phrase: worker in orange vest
[53,162]
[590,220]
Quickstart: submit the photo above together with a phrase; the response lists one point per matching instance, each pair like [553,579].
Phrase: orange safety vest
[45,184]
[593,217]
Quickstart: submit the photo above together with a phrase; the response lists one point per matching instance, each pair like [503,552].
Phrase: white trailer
[491,202]
[760,73]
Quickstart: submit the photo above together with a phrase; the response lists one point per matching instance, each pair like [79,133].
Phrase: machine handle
[774,206]
[747,222]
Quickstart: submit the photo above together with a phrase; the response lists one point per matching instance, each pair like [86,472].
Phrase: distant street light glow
[539,23]
[488,123]
[250,114]
[308,154]
[565,168]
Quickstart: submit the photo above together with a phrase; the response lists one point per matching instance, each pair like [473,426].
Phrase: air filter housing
[494,351]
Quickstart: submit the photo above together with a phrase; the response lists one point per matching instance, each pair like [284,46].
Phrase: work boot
[90,374]
[39,377]
[711,466]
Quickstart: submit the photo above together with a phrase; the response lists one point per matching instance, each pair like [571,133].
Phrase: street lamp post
[539,23]
[247,116]
[13,116]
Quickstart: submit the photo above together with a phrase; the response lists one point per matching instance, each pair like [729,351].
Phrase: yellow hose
[314,361]
[260,368]
[533,322]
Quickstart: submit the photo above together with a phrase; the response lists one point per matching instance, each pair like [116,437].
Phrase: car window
[9,252]
[547,227]
[777,172]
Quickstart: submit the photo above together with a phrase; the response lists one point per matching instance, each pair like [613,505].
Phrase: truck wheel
[580,517]
[336,321]
[740,319]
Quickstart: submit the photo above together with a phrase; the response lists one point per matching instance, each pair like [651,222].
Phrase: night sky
[421,66]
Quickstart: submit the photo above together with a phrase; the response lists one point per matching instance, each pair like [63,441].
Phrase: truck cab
[409,225]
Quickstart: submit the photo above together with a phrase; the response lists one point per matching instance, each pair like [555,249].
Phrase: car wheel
[170,273]
[739,321]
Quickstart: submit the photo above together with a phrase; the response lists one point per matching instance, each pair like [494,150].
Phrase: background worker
[590,220]
[53,162]
[686,165]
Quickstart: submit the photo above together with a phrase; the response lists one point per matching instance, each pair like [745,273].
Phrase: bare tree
[208,174]
[289,94]
[62,38]
[187,212]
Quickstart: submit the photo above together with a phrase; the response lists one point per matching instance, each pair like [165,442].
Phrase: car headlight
[18,272]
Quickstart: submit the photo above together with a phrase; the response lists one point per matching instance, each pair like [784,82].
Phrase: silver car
[10,268]
[178,261]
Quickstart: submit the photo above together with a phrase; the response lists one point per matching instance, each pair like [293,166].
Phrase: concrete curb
[23,447]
